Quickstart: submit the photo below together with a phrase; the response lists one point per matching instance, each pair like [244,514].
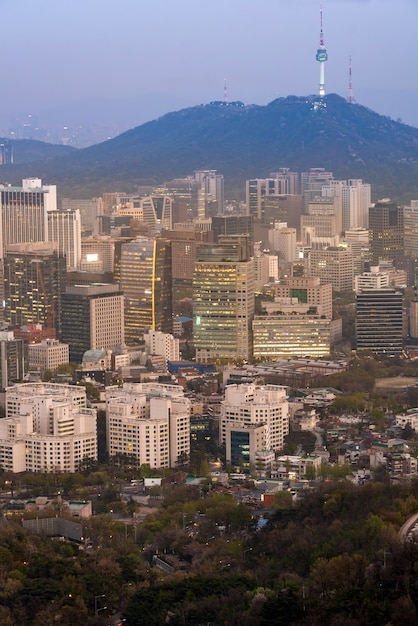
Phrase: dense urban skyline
[129,62]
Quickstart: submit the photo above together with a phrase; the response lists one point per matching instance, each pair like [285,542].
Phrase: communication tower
[321,56]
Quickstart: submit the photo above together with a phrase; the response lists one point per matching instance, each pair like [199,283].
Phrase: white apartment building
[148,421]
[162,344]
[250,404]
[48,355]
[47,428]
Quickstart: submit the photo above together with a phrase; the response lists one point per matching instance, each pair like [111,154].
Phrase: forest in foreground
[333,557]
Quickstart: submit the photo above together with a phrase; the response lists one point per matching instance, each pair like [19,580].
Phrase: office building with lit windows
[145,279]
[34,280]
[149,422]
[386,232]
[333,264]
[223,300]
[92,318]
[379,321]
[292,335]
[24,212]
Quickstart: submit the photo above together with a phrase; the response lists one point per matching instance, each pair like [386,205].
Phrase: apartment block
[249,404]
[149,422]
[47,428]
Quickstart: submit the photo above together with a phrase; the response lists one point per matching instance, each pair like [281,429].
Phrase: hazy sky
[152,56]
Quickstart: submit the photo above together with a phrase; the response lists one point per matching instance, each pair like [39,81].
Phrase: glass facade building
[145,279]
[34,280]
[223,300]
[379,321]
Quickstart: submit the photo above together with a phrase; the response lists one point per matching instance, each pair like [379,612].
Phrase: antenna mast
[225,92]
[350,98]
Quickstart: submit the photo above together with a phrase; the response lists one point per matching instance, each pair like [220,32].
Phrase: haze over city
[121,64]
[209,323]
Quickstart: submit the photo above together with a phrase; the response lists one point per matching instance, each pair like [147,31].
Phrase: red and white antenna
[350,98]
[225,92]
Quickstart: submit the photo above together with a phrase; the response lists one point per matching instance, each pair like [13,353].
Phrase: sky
[128,61]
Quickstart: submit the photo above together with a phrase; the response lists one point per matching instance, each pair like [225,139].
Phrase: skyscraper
[24,212]
[379,321]
[145,279]
[64,227]
[34,280]
[386,232]
[223,299]
[92,318]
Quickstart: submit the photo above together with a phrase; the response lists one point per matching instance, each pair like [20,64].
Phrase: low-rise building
[48,355]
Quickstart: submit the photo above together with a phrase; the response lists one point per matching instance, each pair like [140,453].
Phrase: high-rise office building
[266,268]
[356,201]
[386,232]
[211,197]
[91,212]
[92,318]
[334,265]
[185,239]
[413,309]
[223,299]
[298,322]
[259,190]
[282,241]
[232,225]
[286,333]
[358,240]
[13,359]
[315,179]
[379,321]
[283,208]
[145,279]
[24,212]
[64,227]
[34,280]
[411,229]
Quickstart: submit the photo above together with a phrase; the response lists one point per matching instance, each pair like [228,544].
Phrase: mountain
[243,142]
[32,150]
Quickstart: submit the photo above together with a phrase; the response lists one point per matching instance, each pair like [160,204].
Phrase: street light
[97,609]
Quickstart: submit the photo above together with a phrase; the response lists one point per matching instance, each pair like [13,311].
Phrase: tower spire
[225,92]
[350,98]
[321,56]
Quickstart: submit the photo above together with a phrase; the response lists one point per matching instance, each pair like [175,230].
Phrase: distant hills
[240,142]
